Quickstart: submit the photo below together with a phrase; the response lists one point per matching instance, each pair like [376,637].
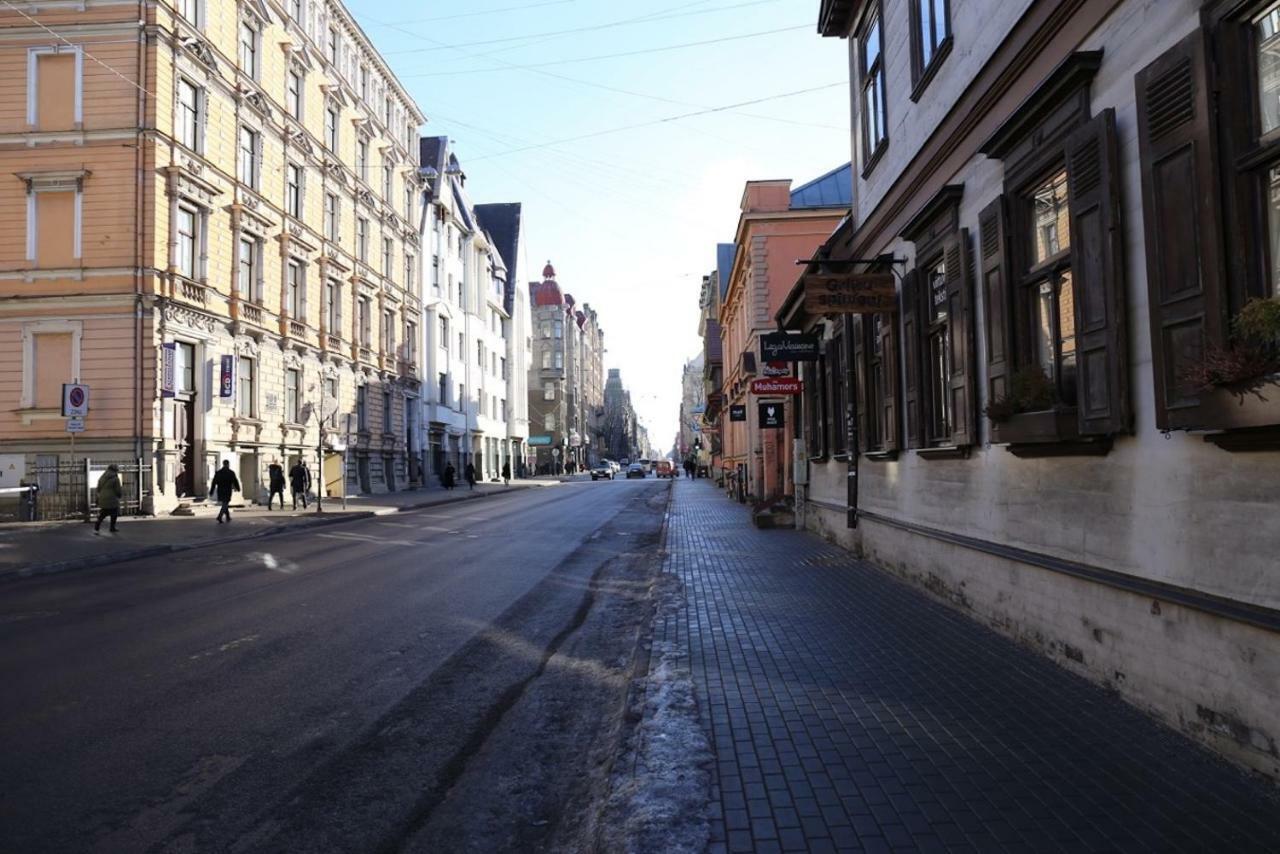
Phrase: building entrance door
[184,429]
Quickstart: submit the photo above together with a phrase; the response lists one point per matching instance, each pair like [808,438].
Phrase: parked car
[635,470]
[602,470]
[664,468]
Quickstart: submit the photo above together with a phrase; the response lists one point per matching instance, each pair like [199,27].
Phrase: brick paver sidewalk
[849,711]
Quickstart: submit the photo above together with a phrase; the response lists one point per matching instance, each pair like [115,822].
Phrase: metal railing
[68,490]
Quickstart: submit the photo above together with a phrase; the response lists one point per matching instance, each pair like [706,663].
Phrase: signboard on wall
[227,380]
[783,347]
[854,293]
[776,369]
[738,412]
[771,416]
[168,369]
[781,385]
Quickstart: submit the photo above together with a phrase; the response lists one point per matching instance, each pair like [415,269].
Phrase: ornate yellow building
[210,218]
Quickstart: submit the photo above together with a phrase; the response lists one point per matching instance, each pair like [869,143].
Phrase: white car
[602,470]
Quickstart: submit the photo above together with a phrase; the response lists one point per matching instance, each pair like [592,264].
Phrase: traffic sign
[75,400]
[780,385]
[75,425]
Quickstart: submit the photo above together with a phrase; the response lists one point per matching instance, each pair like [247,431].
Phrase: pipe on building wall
[138,211]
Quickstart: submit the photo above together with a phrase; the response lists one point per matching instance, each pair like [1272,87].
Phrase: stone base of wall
[1214,679]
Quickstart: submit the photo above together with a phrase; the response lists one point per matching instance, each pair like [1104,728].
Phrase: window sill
[31,413]
[1233,409]
[931,71]
[1048,433]
[840,458]
[1246,440]
[944,452]
[881,456]
[820,458]
[874,158]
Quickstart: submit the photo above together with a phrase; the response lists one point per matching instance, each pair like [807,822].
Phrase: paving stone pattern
[849,711]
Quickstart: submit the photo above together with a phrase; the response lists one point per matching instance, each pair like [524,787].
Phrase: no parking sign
[75,400]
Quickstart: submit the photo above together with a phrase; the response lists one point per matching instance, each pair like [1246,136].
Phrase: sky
[624,191]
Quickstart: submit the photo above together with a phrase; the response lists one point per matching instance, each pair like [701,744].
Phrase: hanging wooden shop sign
[851,293]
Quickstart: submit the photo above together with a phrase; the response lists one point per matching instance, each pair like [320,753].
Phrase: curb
[93,561]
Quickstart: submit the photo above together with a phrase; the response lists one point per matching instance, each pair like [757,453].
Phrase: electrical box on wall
[799,462]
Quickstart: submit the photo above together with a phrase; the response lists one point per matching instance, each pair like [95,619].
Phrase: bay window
[871,107]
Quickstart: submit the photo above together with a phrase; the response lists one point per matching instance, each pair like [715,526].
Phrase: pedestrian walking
[470,474]
[450,475]
[109,494]
[506,473]
[224,483]
[299,483]
[275,483]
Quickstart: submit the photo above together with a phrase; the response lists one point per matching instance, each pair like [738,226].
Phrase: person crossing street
[224,483]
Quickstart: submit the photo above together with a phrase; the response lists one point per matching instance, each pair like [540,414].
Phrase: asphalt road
[331,682]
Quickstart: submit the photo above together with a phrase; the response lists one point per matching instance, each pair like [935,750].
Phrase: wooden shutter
[1097,274]
[995,298]
[960,385]
[1180,213]
[859,394]
[911,347]
[890,388]
[830,399]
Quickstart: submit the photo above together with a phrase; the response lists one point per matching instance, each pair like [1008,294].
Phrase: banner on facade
[539,440]
[784,347]
[780,385]
[168,359]
[771,416]
[226,383]
[738,412]
[851,293]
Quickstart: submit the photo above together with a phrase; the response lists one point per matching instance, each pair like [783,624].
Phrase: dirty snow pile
[662,788]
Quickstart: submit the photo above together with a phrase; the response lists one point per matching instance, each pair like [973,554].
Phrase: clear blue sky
[629,218]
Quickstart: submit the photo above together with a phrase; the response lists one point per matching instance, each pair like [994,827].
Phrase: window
[293,190]
[435,273]
[388,256]
[293,94]
[362,159]
[331,128]
[331,394]
[462,345]
[871,80]
[930,39]
[411,341]
[443,380]
[249,156]
[184,373]
[54,357]
[249,49]
[292,380]
[502,363]
[1047,286]
[546,360]
[53,222]
[387,111]
[559,358]
[408,201]
[333,307]
[188,241]
[548,391]
[937,363]
[364,319]
[876,381]
[364,82]
[295,290]
[54,93]
[387,178]
[333,46]
[188,118]
[389,333]
[444,333]
[410,262]
[362,408]
[386,412]
[480,353]
[296,10]
[331,221]
[549,422]
[247,265]
[189,10]
[362,239]
[246,404]
[559,328]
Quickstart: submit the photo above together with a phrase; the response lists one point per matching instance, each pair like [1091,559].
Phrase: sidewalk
[42,547]
[848,711]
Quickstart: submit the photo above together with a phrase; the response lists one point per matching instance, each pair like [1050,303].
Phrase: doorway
[184,430]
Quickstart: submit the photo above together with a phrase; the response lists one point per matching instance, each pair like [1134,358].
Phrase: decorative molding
[201,51]
[189,317]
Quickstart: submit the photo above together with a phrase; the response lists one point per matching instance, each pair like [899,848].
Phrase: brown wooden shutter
[1097,274]
[910,315]
[860,391]
[995,298]
[1180,212]
[960,385]
[891,387]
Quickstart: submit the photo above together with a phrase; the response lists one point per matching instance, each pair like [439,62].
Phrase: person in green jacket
[109,494]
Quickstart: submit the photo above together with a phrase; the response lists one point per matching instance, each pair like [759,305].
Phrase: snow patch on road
[661,789]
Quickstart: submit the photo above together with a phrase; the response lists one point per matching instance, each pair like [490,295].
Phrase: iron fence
[67,489]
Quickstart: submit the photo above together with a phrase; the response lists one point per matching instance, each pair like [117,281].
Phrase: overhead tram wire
[483,12]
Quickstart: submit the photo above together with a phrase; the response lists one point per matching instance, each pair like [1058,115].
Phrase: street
[331,689]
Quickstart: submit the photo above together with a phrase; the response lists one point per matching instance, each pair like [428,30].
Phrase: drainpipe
[139,183]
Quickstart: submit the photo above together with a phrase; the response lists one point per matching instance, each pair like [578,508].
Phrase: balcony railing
[335,343]
[251,313]
[192,291]
[297,329]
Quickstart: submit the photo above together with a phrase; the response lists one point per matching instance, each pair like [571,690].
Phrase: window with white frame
[249,49]
[333,307]
[387,173]
[250,145]
[293,190]
[364,319]
[408,201]
[333,47]
[388,332]
[331,128]
[364,83]
[548,391]
[409,263]
[55,87]
[187,240]
[331,221]
[362,239]
[411,341]
[50,357]
[189,122]
[295,289]
[190,11]
[250,285]
[331,393]
[296,10]
[292,381]
[54,206]
[388,256]
[388,109]
[362,159]
[293,94]
[246,401]
[549,422]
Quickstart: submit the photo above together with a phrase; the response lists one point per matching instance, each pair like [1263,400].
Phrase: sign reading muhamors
[781,385]
[858,293]
[781,347]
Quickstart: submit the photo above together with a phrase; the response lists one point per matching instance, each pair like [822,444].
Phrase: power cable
[488,12]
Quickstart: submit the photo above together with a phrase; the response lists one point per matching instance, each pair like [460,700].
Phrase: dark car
[636,470]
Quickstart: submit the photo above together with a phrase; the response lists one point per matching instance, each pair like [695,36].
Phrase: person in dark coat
[506,472]
[449,476]
[109,494]
[224,483]
[470,474]
[299,483]
[275,483]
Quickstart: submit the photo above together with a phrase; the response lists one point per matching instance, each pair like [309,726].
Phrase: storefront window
[1267,28]
[1273,227]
